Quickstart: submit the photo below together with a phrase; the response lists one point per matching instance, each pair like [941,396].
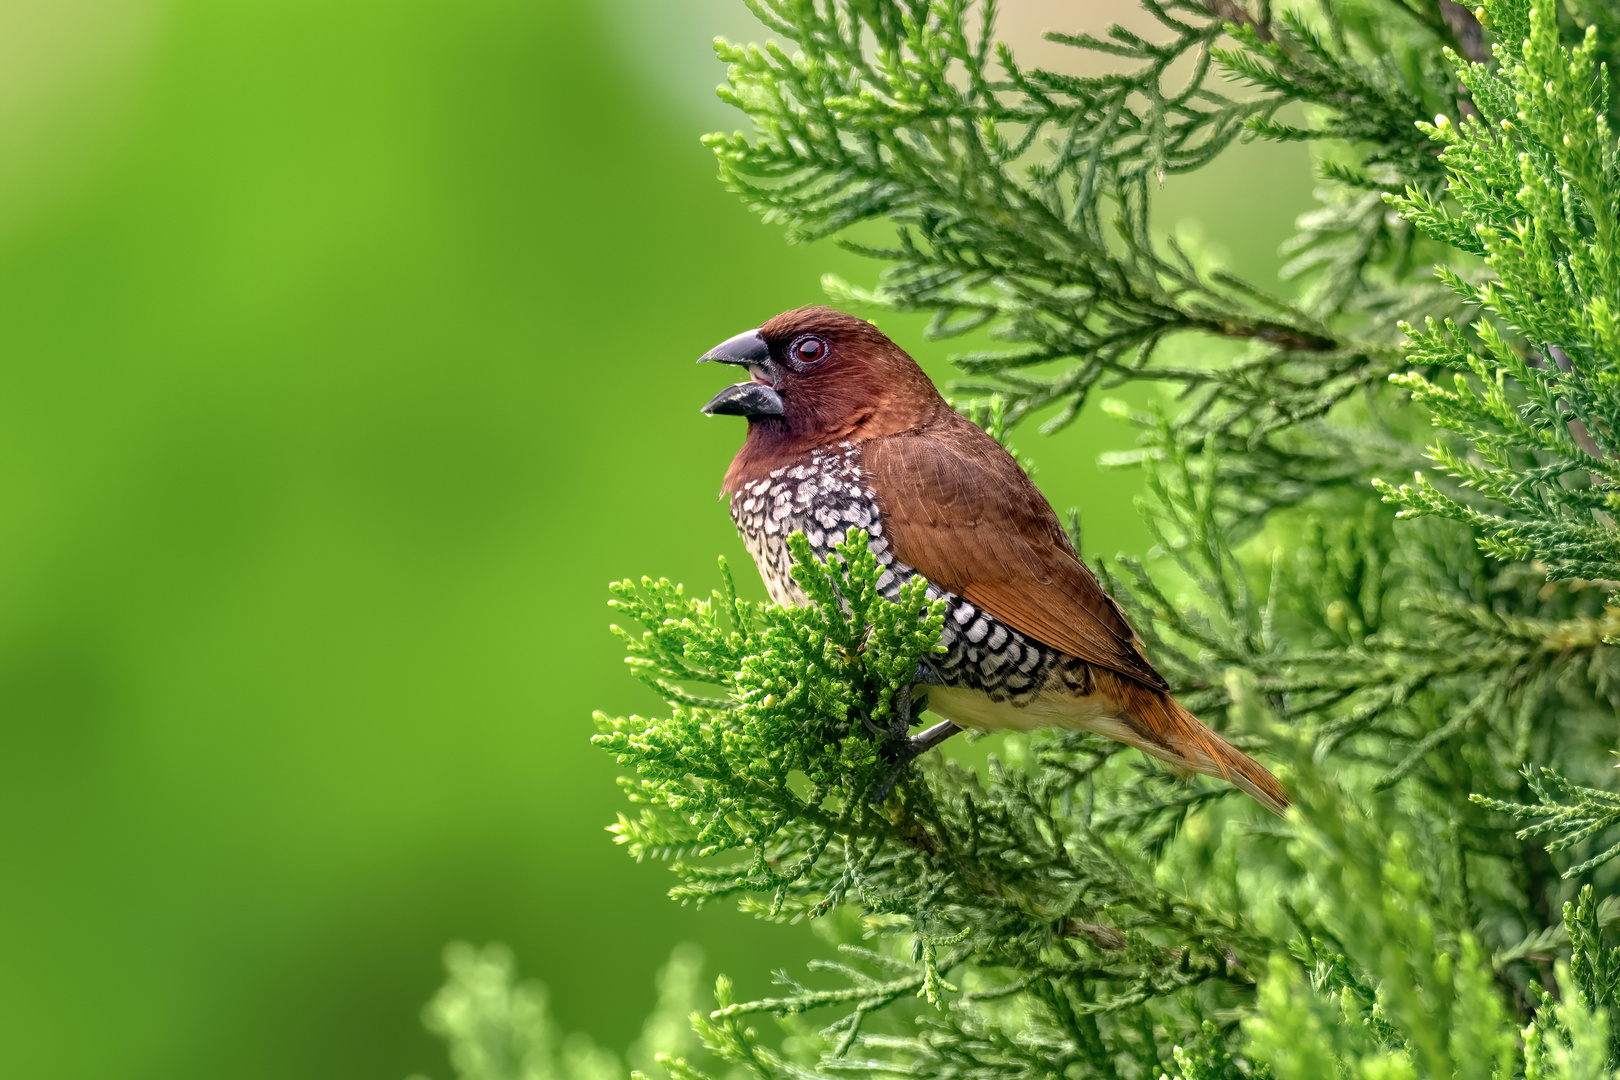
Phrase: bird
[846,431]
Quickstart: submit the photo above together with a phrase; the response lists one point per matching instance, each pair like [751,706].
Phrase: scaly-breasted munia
[846,431]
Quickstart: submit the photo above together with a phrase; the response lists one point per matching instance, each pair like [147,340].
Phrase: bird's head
[817,374]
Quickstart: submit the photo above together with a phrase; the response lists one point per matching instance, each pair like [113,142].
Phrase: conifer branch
[1533,179]
[1571,813]
[1435,702]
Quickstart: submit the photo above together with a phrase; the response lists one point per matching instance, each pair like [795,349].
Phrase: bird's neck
[770,445]
[773,443]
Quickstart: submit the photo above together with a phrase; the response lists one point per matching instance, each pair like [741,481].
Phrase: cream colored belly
[975,709]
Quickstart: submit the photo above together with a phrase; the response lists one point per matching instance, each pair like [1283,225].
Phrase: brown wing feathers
[960,511]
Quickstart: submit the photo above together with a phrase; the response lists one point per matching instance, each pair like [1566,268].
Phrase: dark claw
[902,713]
[905,709]
[899,721]
[903,753]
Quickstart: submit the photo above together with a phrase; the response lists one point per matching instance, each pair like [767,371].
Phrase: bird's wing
[957,509]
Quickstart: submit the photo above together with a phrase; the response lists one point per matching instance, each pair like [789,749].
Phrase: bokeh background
[345,356]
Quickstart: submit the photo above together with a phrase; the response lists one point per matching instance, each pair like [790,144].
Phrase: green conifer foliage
[780,770]
[1429,668]
[1533,178]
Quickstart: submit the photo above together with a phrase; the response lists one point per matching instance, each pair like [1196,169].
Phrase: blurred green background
[345,356]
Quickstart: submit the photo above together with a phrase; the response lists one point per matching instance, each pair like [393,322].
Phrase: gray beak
[745,399]
[746,348]
[752,398]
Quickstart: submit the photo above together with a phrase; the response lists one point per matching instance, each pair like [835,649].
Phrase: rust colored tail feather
[1173,735]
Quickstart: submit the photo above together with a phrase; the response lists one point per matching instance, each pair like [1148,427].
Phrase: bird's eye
[809,350]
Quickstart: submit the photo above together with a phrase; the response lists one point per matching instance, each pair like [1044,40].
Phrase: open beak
[757,396]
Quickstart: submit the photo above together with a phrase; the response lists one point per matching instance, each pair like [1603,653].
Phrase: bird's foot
[900,723]
[906,706]
[903,753]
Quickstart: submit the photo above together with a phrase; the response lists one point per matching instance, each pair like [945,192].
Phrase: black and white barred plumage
[825,496]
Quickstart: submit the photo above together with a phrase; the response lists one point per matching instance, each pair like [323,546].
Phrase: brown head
[819,377]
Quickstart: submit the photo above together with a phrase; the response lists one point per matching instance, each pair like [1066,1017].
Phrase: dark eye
[809,350]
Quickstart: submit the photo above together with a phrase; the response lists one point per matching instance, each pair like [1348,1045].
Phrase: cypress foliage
[1428,662]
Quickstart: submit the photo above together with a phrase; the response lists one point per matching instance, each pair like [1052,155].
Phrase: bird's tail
[1172,734]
